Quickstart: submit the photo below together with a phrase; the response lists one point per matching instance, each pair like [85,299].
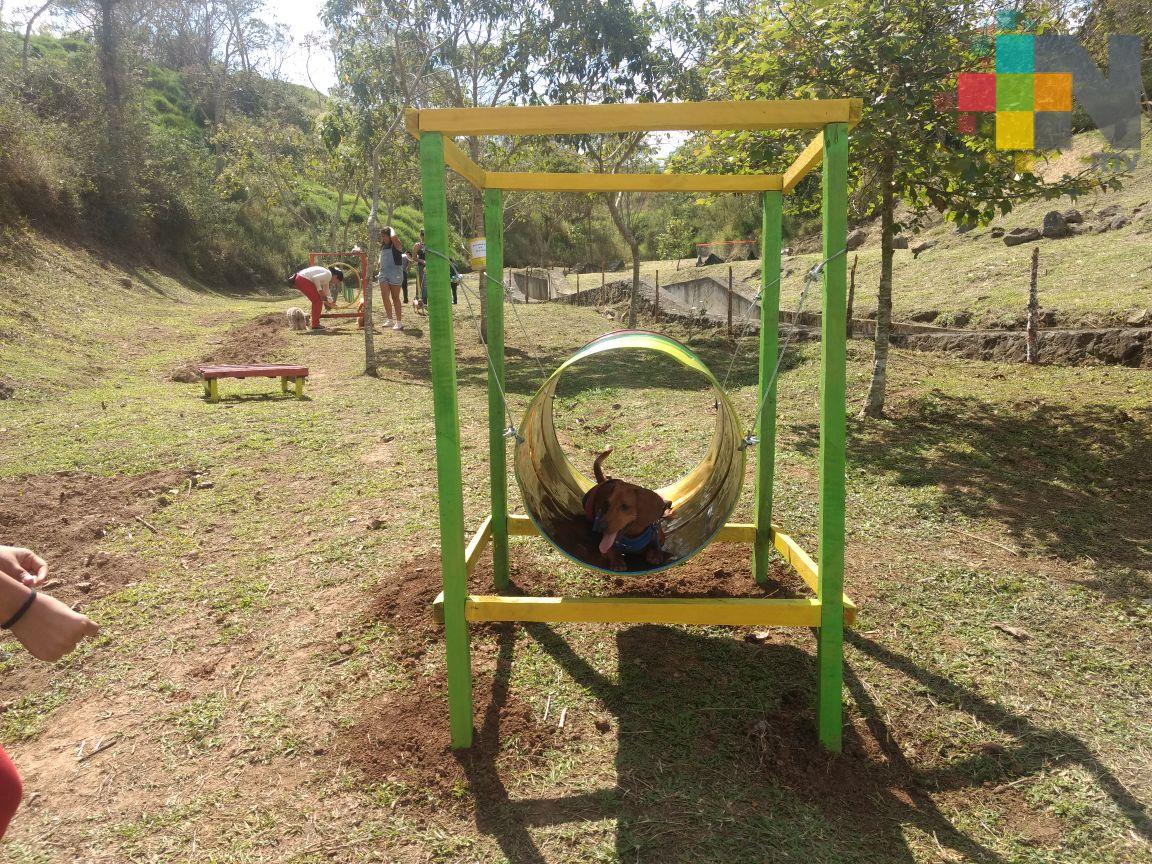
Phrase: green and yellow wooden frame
[829,609]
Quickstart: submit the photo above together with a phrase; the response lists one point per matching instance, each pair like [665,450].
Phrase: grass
[992,495]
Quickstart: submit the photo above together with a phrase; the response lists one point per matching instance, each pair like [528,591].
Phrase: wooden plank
[736,532]
[462,164]
[570,182]
[477,545]
[771,238]
[833,441]
[493,289]
[806,568]
[648,117]
[270,370]
[811,157]
[521,526]
[733,611]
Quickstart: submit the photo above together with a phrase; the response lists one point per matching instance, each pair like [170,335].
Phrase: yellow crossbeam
[477,545]
[649,117]
[728,611]
[812,156]
[567,182]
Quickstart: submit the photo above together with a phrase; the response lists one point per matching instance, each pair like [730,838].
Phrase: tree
[901,58]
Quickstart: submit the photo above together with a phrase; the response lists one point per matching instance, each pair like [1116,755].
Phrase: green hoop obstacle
[828,610]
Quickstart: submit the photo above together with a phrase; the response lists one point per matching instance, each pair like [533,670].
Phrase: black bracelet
[24,607]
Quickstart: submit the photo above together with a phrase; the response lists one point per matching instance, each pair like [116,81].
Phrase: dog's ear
[595,495]
[650,507]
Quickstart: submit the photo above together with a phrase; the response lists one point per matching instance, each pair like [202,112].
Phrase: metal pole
[833,433]
[449,477]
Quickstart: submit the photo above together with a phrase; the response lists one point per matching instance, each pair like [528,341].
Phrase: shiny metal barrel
[553,490]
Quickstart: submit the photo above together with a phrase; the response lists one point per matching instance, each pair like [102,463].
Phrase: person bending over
[44,626]
[313,283]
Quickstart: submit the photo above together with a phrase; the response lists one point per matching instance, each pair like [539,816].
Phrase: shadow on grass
[725,767]
[1070,481]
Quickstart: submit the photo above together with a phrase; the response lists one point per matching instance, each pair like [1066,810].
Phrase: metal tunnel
[553,489]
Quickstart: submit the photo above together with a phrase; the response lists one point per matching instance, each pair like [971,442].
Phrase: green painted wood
[497,443]
[771,237]
[833,431]
[449,478]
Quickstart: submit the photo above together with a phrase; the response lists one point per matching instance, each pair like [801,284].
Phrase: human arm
[47,628]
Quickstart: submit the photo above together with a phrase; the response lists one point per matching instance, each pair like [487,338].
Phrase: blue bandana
[623,544]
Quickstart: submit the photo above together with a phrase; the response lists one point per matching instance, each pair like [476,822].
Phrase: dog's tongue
[606,542]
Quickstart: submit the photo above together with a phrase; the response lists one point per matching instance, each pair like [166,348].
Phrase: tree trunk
[117,181]
[373,234]
[28,37]
[851,294]
[874,404]
[613,202]
[336,221]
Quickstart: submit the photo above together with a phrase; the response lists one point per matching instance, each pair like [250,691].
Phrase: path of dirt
[261,340]
[65,516]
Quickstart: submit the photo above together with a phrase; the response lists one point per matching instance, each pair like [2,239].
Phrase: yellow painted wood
[214,390]
[284,384]
[738,611]
[802,563]
[412,122]
[299,388]
[462,164]
[438,608]
[521,526]
[477,545]
[653,117]
[811,158]
[736,532]
[569,182]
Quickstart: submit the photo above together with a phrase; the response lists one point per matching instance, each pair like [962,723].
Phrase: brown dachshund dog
[627,517]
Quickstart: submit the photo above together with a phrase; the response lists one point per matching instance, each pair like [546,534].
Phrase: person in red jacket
[44,626]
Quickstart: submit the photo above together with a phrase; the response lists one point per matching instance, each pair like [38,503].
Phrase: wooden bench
[286,373]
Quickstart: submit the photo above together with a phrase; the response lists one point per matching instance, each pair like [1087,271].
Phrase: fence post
[657,295]
[729,302]
[1033,311]
[602,295]
[851,293]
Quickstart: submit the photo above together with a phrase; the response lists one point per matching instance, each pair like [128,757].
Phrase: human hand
[23,565]
[50,630]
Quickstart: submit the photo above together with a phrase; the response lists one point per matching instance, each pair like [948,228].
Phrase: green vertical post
[497,443]
[833,432]
[770,241]
[449,478]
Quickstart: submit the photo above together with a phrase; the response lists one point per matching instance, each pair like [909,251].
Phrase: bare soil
[64,517]
[261,340]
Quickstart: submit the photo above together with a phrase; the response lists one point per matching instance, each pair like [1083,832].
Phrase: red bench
[212,374]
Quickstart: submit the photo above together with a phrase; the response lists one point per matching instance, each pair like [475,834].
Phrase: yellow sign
[477,252]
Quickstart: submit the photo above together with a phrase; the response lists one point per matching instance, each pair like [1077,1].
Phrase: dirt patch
[1115,346]
[261,340]
[7,388]
[64,517]
[404,738]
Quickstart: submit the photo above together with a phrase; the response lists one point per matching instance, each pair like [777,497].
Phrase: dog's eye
[625,506]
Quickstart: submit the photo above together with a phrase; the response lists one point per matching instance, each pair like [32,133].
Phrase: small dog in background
[627,518]
[297,320]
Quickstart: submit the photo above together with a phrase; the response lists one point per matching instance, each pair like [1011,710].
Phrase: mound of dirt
[1111,346]
[64,516]
[261,340]
[404,737]
[7,388]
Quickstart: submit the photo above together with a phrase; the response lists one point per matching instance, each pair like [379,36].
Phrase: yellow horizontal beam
[742,612]
[802,563]
[812,156]
[736,532]
[570,182]
[645,117]
[477,545]
[462,164]
[521,526]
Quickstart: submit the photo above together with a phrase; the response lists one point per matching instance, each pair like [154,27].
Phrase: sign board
[477,252]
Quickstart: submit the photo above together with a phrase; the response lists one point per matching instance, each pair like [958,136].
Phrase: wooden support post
[449,478]
[214,390]
[770,241]
[729,302]
[284,384]
[1033,310]
[299,388]
[497,443]
[657,295]
[207,389]
[833,433]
